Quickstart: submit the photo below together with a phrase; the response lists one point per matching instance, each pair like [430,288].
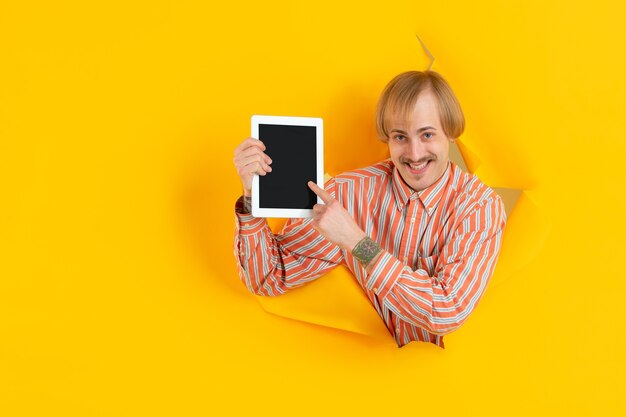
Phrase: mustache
[420,161]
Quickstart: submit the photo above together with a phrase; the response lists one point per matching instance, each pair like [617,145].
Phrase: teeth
[418,167]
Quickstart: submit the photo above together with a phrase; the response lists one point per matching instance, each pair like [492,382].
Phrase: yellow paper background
[118,288]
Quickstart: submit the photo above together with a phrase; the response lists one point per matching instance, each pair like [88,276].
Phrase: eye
[399,137]
[428,135]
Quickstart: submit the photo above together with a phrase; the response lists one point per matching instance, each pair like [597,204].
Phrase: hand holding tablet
[250,160]
[294,147]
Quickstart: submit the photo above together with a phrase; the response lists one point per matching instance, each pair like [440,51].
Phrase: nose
[416,150]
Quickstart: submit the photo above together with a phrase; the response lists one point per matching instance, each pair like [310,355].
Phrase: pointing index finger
[325,196]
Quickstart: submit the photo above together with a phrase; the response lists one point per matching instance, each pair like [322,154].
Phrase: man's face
[419,147]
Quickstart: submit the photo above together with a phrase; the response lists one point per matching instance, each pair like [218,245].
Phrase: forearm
[441,302]
[367,252]
[253,245]
[385,279]
[441,297]
[415,296]
[271,265]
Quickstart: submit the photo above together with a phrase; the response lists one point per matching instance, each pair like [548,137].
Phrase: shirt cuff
[248,224]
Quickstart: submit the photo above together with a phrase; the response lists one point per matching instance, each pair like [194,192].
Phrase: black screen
[294,159]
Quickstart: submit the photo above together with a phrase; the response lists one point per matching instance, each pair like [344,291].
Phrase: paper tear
[430,56]
[336,300]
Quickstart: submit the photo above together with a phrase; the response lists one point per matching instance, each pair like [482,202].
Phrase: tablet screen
[294,162]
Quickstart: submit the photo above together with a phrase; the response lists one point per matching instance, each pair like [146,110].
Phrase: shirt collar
[401,191]
[429,197]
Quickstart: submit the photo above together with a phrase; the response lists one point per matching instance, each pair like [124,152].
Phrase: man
[421,236]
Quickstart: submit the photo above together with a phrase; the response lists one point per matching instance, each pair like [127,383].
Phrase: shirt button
[375,289]
[405,259]
[412,219]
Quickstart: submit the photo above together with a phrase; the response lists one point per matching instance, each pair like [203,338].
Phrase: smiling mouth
[418,168]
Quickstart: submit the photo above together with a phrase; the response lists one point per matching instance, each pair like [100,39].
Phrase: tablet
[295,145]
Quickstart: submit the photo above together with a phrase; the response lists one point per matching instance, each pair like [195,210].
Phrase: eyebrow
[421,129]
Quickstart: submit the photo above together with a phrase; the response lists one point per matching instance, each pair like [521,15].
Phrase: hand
[250,160]
[334,222]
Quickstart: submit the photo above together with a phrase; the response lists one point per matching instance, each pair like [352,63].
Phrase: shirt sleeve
[442,302]
[272,264]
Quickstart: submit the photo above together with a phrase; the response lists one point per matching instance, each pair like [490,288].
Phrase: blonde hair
[400,96]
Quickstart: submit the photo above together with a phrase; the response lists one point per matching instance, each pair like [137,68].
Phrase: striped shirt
[440,247]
